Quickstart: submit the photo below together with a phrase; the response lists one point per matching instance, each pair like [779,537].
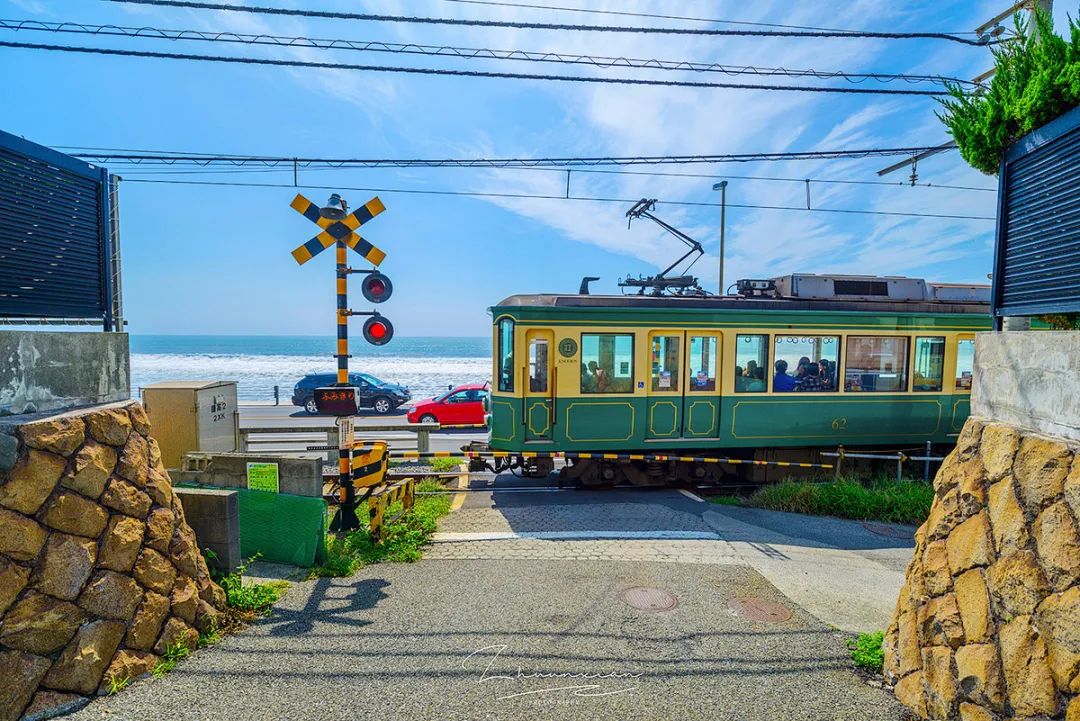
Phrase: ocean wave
[256,375]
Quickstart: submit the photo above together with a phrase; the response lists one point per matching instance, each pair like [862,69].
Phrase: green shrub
[879,500]
[256,598]
[866,652]
[1036,79]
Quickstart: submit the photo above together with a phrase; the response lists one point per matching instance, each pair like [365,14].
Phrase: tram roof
[741,303]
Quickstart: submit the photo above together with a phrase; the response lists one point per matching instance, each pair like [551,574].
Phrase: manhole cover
[883,529]
[650,599]
[759,609]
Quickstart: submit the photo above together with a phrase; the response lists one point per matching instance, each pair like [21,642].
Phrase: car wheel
[382,405]
[310,407]
[428,418]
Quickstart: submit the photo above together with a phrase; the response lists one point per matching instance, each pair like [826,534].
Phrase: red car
[461,405]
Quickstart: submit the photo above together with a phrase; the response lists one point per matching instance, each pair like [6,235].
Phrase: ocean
[427,365]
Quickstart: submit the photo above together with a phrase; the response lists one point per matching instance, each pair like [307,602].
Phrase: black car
[372,392]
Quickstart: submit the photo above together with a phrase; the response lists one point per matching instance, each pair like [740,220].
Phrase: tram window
[965,363]
[702,363]
[805,364]
[751,362]
[876,364]
[665,363]
[607,363]
[538,365]
[929,369]
[506,355]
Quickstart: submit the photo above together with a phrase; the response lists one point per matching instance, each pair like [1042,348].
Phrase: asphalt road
[519,611]
[288,416]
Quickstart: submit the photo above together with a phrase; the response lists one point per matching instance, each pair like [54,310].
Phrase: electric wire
[466,73]
[373,17]
[86,152]
[709,176]
[206,159]
[599,61]
[537,196]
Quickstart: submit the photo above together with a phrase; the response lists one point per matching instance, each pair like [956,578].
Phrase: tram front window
[805,364]
[506,355]
[876,364]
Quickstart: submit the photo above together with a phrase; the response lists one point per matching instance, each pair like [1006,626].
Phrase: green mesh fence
[280,528]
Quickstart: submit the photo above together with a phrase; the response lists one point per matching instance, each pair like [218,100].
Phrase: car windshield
[370,379]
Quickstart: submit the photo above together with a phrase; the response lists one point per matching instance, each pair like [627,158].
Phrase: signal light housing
[378,330]
[376,287]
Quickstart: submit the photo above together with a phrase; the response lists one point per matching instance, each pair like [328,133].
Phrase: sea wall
[46,371]
[987,625]
[99,571]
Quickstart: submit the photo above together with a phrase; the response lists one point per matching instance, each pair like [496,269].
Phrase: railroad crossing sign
[338,230]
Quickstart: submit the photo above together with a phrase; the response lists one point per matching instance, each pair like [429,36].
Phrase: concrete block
[47,371]
[1029,379]
[298,475]
[214,515]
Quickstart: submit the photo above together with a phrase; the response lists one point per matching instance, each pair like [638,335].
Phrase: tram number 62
[839,424]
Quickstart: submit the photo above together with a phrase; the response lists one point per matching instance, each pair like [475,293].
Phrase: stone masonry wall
[99,571]
[987,625]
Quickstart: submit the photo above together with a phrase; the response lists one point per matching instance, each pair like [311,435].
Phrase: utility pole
[722,187]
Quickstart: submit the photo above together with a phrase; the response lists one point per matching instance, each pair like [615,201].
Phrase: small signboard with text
[262,477]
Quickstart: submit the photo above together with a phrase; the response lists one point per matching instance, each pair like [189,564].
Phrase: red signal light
[378,330]
[376,287]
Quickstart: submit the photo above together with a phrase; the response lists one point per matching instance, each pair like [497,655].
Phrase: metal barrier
[257,438]
[603,456]
[900,458]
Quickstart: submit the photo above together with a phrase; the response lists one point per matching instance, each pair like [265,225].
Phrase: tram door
[701,401]
[538,409]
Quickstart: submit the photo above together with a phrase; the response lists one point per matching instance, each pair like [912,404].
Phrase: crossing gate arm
[413,455]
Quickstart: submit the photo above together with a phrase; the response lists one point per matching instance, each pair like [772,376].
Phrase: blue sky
[214,259]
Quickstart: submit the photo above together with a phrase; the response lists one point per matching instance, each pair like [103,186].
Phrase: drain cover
[883,529]
[759,609]
[650,599]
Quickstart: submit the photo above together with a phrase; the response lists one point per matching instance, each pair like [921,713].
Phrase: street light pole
[722,187]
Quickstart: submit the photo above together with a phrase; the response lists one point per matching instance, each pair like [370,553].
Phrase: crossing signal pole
[338,229]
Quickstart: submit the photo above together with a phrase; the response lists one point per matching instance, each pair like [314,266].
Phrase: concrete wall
[46,371]
[1029,380]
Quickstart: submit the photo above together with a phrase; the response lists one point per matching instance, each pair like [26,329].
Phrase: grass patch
[173,655]
[255,598]
[404,538]
[866,652]
[880,499]
[444,464]
[726,500]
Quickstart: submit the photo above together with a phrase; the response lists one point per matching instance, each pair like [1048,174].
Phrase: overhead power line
[373,17]
[599,61]
[464,73]
[206,159]
[655,16]
[535,196]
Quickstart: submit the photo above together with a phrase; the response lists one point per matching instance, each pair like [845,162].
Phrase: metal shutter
[53,234]
[1037,260]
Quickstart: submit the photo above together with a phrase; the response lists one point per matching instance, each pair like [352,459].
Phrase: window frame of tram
[665,356]
[745,383]
[820,344]
[928,364]
[506,373]
[596,356]
[962,384]
[539,364]
[707,354]
[860,373]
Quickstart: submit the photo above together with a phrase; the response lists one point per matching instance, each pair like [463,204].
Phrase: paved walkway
[532,623]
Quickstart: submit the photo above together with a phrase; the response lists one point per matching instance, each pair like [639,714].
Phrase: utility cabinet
[188,416]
